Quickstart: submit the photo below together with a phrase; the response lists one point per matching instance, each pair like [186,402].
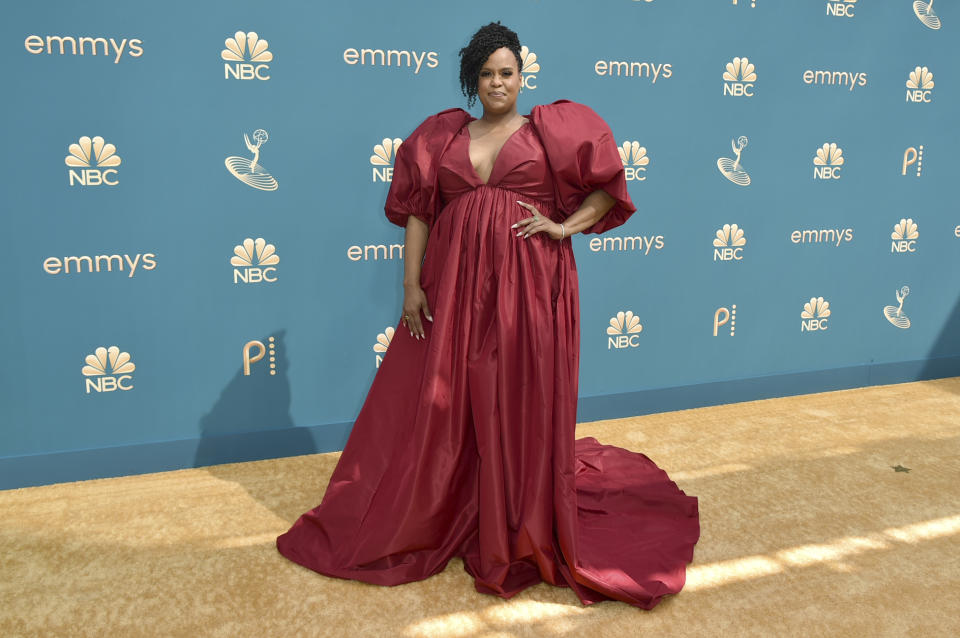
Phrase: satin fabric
[466,445]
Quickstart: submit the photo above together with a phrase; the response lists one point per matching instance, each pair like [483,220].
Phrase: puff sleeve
[583,157]
[413,190]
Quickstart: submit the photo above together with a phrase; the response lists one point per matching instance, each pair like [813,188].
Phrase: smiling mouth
[498,94]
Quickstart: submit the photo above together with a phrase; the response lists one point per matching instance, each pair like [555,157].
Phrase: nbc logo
[919,85]
[246,57]
[262,350]
[841,8]
[383,342]
[530,67]
[250,171]
[108,369]
[828,162]
[96,161]
[724,316]
[895,314]
[815,315]
[255,261]
[382,159]
[728,243]
[738,78]
[904,236]
[924,12]
[912,156]
[624,331]
[731,168]
[635,160]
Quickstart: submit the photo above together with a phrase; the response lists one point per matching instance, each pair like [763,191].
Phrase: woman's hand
[415,302]
[538,224]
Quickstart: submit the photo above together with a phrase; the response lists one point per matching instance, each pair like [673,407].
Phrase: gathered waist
[501,200]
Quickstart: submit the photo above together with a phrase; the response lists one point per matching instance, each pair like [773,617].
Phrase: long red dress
[465,445]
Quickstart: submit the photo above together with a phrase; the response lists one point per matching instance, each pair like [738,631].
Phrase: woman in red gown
[466,445]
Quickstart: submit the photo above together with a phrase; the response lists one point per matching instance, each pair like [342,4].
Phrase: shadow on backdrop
[943,360]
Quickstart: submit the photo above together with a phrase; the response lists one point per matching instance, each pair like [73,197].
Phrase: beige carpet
[807,531]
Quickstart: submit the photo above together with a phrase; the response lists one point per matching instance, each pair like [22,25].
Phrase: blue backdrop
[201,271]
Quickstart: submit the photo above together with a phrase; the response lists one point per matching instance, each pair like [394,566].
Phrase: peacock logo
[92,162]
[905,234]
[254,261]
[383,343]
[635,160]
[246,57]
[827,161]
[739,77]
[728,243]
[815,315]
[623,331]
[529,67]
[107,370]
[250,171]
[920,85]
[382,159]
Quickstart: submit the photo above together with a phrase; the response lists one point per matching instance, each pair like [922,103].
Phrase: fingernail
[520,233]
[515,225]
[429,317]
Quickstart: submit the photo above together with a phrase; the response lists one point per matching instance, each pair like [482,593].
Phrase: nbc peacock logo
[383,343]
[728,243]
[246,57]
[895,314]
[382,159]
[635,160]
[530,66]
[107,370]
[739,77]
[905,234]
[250,171]
[731,168]
[92,162]
[828,161]
[841,8]
[624,331]
[920,85]
[815,315]
[924,13]
[254,261]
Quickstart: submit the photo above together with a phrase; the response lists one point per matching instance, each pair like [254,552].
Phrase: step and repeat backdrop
[199,269]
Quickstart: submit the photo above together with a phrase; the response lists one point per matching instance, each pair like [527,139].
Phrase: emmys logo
[833,236]
[249,359]
[815,315]
[895,314]
[245,57]
[723,316]
[635,160]
[730,168]
[108,369]
[391,57]
[904,236]
[249,171]
[919,85]
[36,45]
[912,156]
[99,263]
[383,343]
[255,261]
[624,331]
[634,69]
[840,8]
[841,78]
[382,159]
[96,161]
[828,161]
[924,12]
[738,78]
[529,68]
[728,244]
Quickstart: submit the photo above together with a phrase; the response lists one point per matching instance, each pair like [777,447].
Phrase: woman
[465,444]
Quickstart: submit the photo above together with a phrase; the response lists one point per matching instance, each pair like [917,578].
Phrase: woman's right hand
[415,302]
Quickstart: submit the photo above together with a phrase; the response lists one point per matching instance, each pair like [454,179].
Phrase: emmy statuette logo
[382,159]
[250,171]
[841,8]
[92,162]
[254,262]
[895,314]
[815,315]
[904,236]
[108,369]
[624,331]
[246,57]
[828,162]
[635,160]
[739,78]
[728,243]
[924,13]
[529,69]
[725,316]
[731,168]
[383,343]
[920,85]
[912,156]
[249,357]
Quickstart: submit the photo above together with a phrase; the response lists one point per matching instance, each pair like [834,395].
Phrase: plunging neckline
[493,165]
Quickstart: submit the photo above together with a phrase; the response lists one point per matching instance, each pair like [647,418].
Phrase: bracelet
[563,231]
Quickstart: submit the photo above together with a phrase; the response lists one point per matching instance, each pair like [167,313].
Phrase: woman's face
[499,82]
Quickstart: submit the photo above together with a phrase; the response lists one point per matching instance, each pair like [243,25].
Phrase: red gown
[465,445]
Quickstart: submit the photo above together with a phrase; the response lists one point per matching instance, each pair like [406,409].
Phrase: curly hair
[485,41]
